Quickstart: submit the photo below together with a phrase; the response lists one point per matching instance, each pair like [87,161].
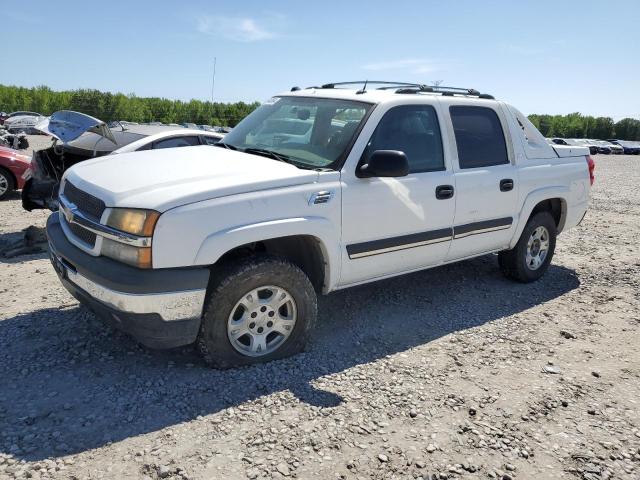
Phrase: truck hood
[167,178]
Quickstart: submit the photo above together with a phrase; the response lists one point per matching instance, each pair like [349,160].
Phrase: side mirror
[385,163]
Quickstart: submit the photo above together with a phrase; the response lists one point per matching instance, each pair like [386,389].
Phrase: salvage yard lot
[436,372]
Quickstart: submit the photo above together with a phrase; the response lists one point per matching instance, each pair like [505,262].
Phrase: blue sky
[544,56]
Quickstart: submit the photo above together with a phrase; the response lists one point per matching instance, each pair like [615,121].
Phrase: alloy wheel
[537,248]
[262,320]
[4,184]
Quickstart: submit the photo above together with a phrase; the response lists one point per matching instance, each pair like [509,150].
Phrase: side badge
[320,197]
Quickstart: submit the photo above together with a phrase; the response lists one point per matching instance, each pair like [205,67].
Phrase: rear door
[485,178]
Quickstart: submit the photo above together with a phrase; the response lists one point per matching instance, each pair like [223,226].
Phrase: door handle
[506,185]
[444,191]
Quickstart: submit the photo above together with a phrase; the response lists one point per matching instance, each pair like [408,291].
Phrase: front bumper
[159,308]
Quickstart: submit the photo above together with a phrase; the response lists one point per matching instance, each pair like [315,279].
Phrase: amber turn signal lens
[144,258]
[135,256]
[133,220]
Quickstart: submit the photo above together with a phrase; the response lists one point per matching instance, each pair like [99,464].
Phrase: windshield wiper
[225,145]
[271,154]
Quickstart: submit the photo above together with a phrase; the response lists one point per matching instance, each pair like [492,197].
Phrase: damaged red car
[13,164]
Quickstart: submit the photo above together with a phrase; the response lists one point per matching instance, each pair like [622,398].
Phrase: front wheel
[6,183]
[258,309]
[530,258]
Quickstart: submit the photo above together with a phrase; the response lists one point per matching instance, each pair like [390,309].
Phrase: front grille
[85,202]
[84,235]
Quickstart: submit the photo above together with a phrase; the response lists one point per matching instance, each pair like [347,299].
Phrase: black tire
[513,262]
[5,176]
[229,283]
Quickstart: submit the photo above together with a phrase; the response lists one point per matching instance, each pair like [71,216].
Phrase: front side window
[176,142]
[413,130]
[479,137]
[308,132]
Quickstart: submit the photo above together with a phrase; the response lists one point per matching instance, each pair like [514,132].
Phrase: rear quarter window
[479,137]
[210,140]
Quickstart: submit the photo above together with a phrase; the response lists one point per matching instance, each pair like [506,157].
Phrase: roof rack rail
[446,91]
[407,87]
[367,82]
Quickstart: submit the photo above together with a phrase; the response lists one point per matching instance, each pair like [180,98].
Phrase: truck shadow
[69,384]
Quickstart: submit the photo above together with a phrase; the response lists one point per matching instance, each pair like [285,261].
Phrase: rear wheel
[531,256]
[257,310]
[7,185]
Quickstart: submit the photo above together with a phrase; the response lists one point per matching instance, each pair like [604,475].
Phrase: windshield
[308,132]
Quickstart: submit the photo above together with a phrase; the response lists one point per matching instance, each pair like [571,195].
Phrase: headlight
[136,256]
[133,220]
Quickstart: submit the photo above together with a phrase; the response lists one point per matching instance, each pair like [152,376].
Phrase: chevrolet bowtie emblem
[68,212]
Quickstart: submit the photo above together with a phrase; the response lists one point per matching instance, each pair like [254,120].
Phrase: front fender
[535,197]
[217,244]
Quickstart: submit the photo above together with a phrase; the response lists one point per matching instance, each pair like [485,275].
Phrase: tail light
[592,167]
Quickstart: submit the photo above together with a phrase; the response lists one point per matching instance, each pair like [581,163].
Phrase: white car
[79,137]
[315,191]
[172,138]
[24,122]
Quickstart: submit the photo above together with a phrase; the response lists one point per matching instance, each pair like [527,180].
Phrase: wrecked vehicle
[23,122]
[5,116]
[13,164]
[17,141]
[80,137]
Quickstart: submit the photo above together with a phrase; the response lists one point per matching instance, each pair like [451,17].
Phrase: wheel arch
[311,244]
[551,199]
[557,207]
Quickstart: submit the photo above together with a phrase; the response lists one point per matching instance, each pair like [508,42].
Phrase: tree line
[117,106]
[576,125]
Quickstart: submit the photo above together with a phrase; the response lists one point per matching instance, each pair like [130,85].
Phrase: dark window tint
[209,140]
[177,142]
[479,137]
[414,130]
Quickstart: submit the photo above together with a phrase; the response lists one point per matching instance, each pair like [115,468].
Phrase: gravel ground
[454,372]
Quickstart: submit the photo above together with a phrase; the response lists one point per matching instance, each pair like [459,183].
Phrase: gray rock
[283,468]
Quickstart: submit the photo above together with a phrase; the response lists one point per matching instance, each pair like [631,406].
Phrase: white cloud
[414,65]
[240,29]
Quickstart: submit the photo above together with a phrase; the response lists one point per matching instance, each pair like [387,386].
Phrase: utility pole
[213,79]
[213,84]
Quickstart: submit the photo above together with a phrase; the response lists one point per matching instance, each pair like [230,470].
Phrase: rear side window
[479,137]
[414,130]
[176,142]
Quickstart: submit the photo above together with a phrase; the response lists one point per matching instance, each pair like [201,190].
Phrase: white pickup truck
[317,190]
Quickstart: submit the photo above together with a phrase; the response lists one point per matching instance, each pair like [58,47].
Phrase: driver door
[393,225]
